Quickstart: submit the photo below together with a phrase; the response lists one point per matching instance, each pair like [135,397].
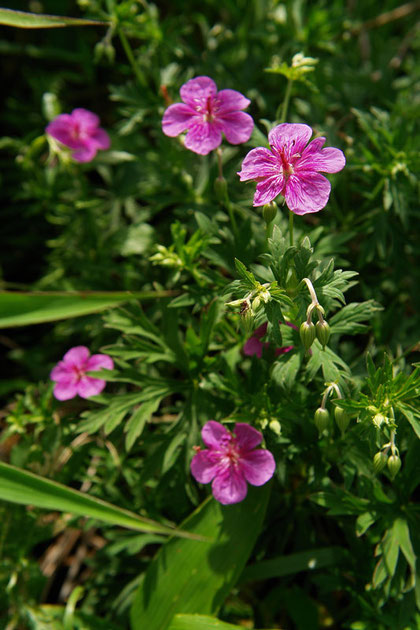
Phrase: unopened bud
[323,332]
[322,419]
[275,426]
[379,461]
[256,303]
[378,420]
[220,188]
[342,418]
[307,334]
[394,464]
[269,212]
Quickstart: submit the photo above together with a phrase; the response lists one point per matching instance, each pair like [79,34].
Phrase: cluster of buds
[322,416]
[252,302]
[392,461]
[166,257]
[308,330]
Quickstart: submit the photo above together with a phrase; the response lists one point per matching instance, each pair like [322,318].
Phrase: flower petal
[85,153]
[204,468]
[88,386]
[260,331]
[237,126]
[203,137]
[214,434]
[196,91]
[77,356]
[176,119]
[62,129]
[258,466]
[229,487]
[98,362]
[268,190]
[88,121]
[62,372]
[290,137]
[253,346]
[259,162]
[314,158]
[101,139]
[65,391]
[307,192]
[283,350]
[247,437]
[230,101]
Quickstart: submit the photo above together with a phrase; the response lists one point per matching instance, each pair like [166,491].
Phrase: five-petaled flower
[79,131]
[70,374]
[292,169]
[232,460]
[206,113]
[254,345]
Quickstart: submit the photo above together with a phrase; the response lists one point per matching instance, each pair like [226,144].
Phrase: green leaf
[402,534]
[20,486]
[293,563]
[363,522]
[412,416]
[135,425]
[20,19]
[247,277]
[200,622]
[24,309]
[197,577]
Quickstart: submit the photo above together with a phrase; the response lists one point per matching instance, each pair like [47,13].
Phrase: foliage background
[95,228]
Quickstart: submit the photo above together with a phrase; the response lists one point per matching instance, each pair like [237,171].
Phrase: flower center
[78,373]
[208,110]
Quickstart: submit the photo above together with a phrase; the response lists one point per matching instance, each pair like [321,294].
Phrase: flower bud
[269,212]
[256,303]
[342,418]
[322,419]
[307,334]
[379,461]
[394,464]
[378,420]
[220,188]
[323,332]
[275,426]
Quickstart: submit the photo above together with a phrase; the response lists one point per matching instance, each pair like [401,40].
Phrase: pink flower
[206,113]
[290,168]
[230,461]
[70,373]
[79,131]
[254,345]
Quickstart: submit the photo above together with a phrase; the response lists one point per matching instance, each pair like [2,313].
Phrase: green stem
[232,218]
[291,217]
[127,48]
[286,100]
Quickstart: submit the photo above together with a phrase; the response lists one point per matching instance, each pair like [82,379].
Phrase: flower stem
[291,217]
[219,162]
[286,100]
[127,49]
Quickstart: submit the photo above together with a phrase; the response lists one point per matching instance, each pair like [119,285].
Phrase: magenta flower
[254,345]
[290,168]
[79,131]
[230,461]
[206,113]
[70,374]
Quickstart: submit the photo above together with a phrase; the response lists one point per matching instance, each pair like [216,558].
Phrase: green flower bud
[269,212]
[378,420]
[322,419]
[342,418]
[220,188]
[275,426]
[379,461]
[323,332]
[307,334]
[394,464]
[256,303]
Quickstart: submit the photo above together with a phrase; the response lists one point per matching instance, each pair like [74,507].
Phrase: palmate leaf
[21,486]
[197,577]
[21,19]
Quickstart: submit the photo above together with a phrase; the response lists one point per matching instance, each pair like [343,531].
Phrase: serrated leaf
[247,276]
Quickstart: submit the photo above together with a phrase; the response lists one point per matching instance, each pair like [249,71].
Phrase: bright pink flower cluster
[254,345]
[292,169]
[70,374]
[232,460]
[79,131]
[206,114]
